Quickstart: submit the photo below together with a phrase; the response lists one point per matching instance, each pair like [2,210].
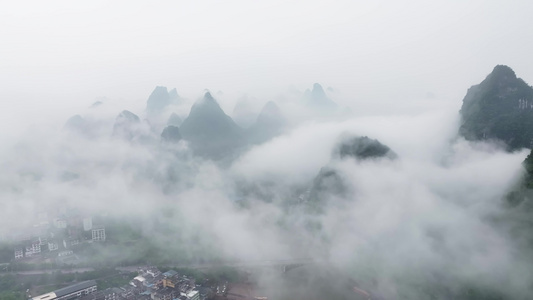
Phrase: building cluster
[149,284]
[75,291]
[152,284]
[58,234]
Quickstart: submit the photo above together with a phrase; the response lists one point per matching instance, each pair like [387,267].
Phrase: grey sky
[57,56]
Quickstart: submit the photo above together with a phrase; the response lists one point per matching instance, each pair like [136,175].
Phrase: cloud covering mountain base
[427,219]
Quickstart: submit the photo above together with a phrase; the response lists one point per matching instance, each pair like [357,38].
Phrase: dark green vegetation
[499,108]
[329,182]
[517,217]
[528,165]
[11,289]
[130,243]
[521,194]
[362,148]
[6,252]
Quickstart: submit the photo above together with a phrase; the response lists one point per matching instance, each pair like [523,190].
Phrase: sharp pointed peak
[317,86]
[318,97]
[208,95]
[207,99]
[158,100]
[318,90]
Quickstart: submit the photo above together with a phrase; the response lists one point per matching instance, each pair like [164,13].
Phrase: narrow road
[50,271]
[264,263]
[261,263]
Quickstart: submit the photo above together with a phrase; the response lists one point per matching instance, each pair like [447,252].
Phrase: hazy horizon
[58,57]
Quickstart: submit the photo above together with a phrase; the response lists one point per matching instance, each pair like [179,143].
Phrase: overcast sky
[58,56]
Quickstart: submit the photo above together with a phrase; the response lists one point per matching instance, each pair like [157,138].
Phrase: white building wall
[60,223]
[87,224]
[52,246]
[98,234]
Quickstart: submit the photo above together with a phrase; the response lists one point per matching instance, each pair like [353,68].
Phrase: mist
[264,183]
[421,218]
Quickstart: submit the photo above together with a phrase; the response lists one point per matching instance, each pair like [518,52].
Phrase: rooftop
[191,294]
[74,288]
[66,290]
[170,273]
[47,296]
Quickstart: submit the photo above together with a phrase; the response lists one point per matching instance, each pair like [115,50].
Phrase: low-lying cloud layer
[424,219]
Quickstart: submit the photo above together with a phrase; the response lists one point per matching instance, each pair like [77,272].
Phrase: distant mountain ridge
[243,112]
[160,99]
[127,125]
[317,98]
[270,123]
[209,130]
[76,123]
[174,120]
[171,134]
